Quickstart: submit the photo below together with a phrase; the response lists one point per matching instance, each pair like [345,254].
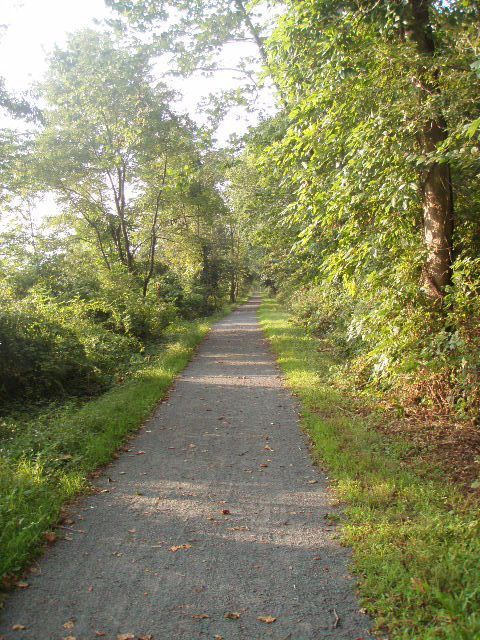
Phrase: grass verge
[416,539]
[45,461]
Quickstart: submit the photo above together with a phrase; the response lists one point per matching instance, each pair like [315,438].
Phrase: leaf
[22,585]
[266,619]
[126,636]
[218,638]
[473,127]
[69,624]
[69,638]
[226,512]
[147,637]
[100,634]
[200,616]
[50,536]
[232,615]
[176,548]
[18,627]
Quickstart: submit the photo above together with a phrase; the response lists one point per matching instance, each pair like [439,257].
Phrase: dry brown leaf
[50,536]
[69,638]
[69,624]
[312,482]
[147,637]
[179,547]
[18,627]
[218,638]
[264,466]
[226,512]
[22,585]
[200,616]
[100,634]
[126,636]
[266,619]
[232,615]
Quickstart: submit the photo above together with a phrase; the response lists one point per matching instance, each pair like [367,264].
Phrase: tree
[111,146]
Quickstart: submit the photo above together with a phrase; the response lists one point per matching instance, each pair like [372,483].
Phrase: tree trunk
[437,197]
[233,287]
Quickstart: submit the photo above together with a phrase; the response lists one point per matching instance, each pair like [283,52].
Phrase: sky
[34,27]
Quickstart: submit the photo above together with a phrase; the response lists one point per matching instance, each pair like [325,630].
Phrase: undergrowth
[415,536]
[45,459]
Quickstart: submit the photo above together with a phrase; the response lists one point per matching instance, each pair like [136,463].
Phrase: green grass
[416,540]
[45,461]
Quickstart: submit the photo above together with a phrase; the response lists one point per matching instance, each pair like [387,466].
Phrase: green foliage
[49,348]
[332,188]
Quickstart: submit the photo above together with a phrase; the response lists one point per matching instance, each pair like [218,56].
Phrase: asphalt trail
[227,473]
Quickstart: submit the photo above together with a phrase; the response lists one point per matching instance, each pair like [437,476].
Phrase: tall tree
[110,146]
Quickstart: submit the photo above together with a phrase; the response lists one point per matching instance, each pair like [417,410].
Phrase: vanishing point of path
[223,513]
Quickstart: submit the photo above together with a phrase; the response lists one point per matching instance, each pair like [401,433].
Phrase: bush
[50,348]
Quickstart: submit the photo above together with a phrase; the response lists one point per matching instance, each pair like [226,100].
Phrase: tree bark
[437,195]
[233,287]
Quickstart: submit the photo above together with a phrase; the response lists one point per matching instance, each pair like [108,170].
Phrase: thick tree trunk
[437,199]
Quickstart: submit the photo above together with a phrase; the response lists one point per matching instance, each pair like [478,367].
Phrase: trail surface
[223,513]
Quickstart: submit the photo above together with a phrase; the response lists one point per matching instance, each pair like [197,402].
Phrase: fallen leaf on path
[264,466]
[232,615]
[50,536]
[200,616]
[268,447]
[140,453]
[147,637]
[312,482]
[18,627]
[218,638]
[266,619]
[100,634]
[22,585]
[176,548]
[132,531]
[125,636]
[226,512]
[69,624]
[69,638]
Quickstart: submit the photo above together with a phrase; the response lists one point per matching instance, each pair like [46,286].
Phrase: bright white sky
[33,27]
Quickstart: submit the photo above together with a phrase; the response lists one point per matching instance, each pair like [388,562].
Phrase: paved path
[226,478]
